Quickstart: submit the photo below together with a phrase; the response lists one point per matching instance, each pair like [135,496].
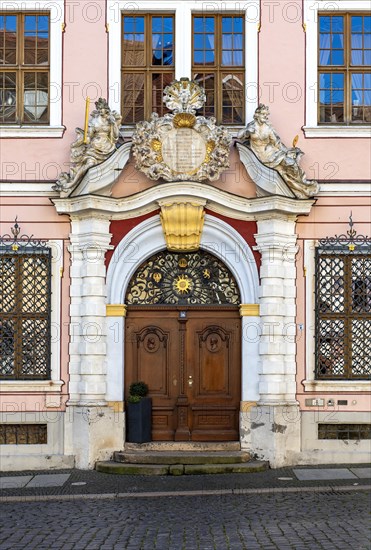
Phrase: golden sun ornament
[183,284]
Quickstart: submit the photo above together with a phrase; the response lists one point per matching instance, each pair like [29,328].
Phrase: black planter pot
[139,421]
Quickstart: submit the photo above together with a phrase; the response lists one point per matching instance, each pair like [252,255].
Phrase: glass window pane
[337,24]
[337,41]
[11,23]
[325,80]
[139,24]
[227,57]
[367,24]
[198,24]
[238,24]
[168,24]
[367,41]
[367,57]
[367,78]
[357,41]
[198,41]
[209,57]
[227,24]
[209,24]
[357,57]
[156,24]
[356,24]
[43,23]
[168,57]
[324,23]
[30,23]
[324,57]
[8,99]
[198,57]
[209,41]
[324,41]
[237,58]
[227,42]
[338,80]
[337,57]
[128,24]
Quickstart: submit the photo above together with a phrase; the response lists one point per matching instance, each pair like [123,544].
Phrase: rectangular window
[147,64]
[218,65]
[344,69]
[25,306]
[344,431]
[343,313]
[23,434]
[24,68]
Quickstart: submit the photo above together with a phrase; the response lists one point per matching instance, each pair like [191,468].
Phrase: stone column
[91,422]
[277,418]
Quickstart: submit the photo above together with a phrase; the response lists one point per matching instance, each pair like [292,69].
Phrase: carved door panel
[214,375]
[151,353]
[190,359]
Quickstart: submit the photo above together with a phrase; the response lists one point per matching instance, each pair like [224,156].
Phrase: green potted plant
[139,414]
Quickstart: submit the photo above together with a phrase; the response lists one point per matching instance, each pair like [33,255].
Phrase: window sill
[34,386]
[31,131]
[337,131]
[337,385]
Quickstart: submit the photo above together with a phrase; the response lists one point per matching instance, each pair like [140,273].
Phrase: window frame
[183,11]
[312,9]
[218,68]
[147,68]
[56,11]
[347,69]
[20,68]
[310,383]
[54,383]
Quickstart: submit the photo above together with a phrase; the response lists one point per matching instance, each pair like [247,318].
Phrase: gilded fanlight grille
[186,279]
[25,305]
[343,307]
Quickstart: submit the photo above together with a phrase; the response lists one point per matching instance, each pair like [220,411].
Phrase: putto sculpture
[92,146]
[181,146]
[263,140]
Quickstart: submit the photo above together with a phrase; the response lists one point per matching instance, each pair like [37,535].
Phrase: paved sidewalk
[65,484]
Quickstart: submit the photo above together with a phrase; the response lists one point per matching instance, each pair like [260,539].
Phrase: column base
[93,433]
[272,432]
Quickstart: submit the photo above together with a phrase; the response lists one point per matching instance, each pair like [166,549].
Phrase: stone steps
[181,457]
[111,467]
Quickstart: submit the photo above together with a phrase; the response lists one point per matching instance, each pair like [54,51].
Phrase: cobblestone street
[302,520]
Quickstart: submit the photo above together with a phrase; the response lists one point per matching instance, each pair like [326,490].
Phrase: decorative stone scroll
[181,146]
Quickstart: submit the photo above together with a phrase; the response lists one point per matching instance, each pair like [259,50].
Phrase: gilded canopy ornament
[260,136]
[181,146]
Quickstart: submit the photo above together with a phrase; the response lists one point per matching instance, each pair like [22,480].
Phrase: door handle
[190,380]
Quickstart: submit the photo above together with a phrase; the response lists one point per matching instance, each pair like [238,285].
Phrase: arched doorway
[183,338]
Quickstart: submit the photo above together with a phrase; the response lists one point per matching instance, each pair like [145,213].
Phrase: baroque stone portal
[180,145]
[263,140]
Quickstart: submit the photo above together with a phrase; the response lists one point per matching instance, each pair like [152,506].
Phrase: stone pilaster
[275,420]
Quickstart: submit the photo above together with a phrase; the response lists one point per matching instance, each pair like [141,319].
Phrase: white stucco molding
[218,201]
[311,10]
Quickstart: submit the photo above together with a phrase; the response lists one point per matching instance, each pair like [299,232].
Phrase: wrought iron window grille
[343,306]
[25,307]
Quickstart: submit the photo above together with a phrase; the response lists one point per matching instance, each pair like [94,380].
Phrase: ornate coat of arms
[180,145]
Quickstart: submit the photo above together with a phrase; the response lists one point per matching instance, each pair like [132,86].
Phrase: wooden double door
[190,357]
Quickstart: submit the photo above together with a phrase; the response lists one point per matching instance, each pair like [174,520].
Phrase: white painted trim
[348,189]
[183,27]
[56,9]
[337,131]
[26,189]
[337,385]
[146,239]
[31,131]
[34,386]
[311,9]
[309,264]
[310,383]
[54,384]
